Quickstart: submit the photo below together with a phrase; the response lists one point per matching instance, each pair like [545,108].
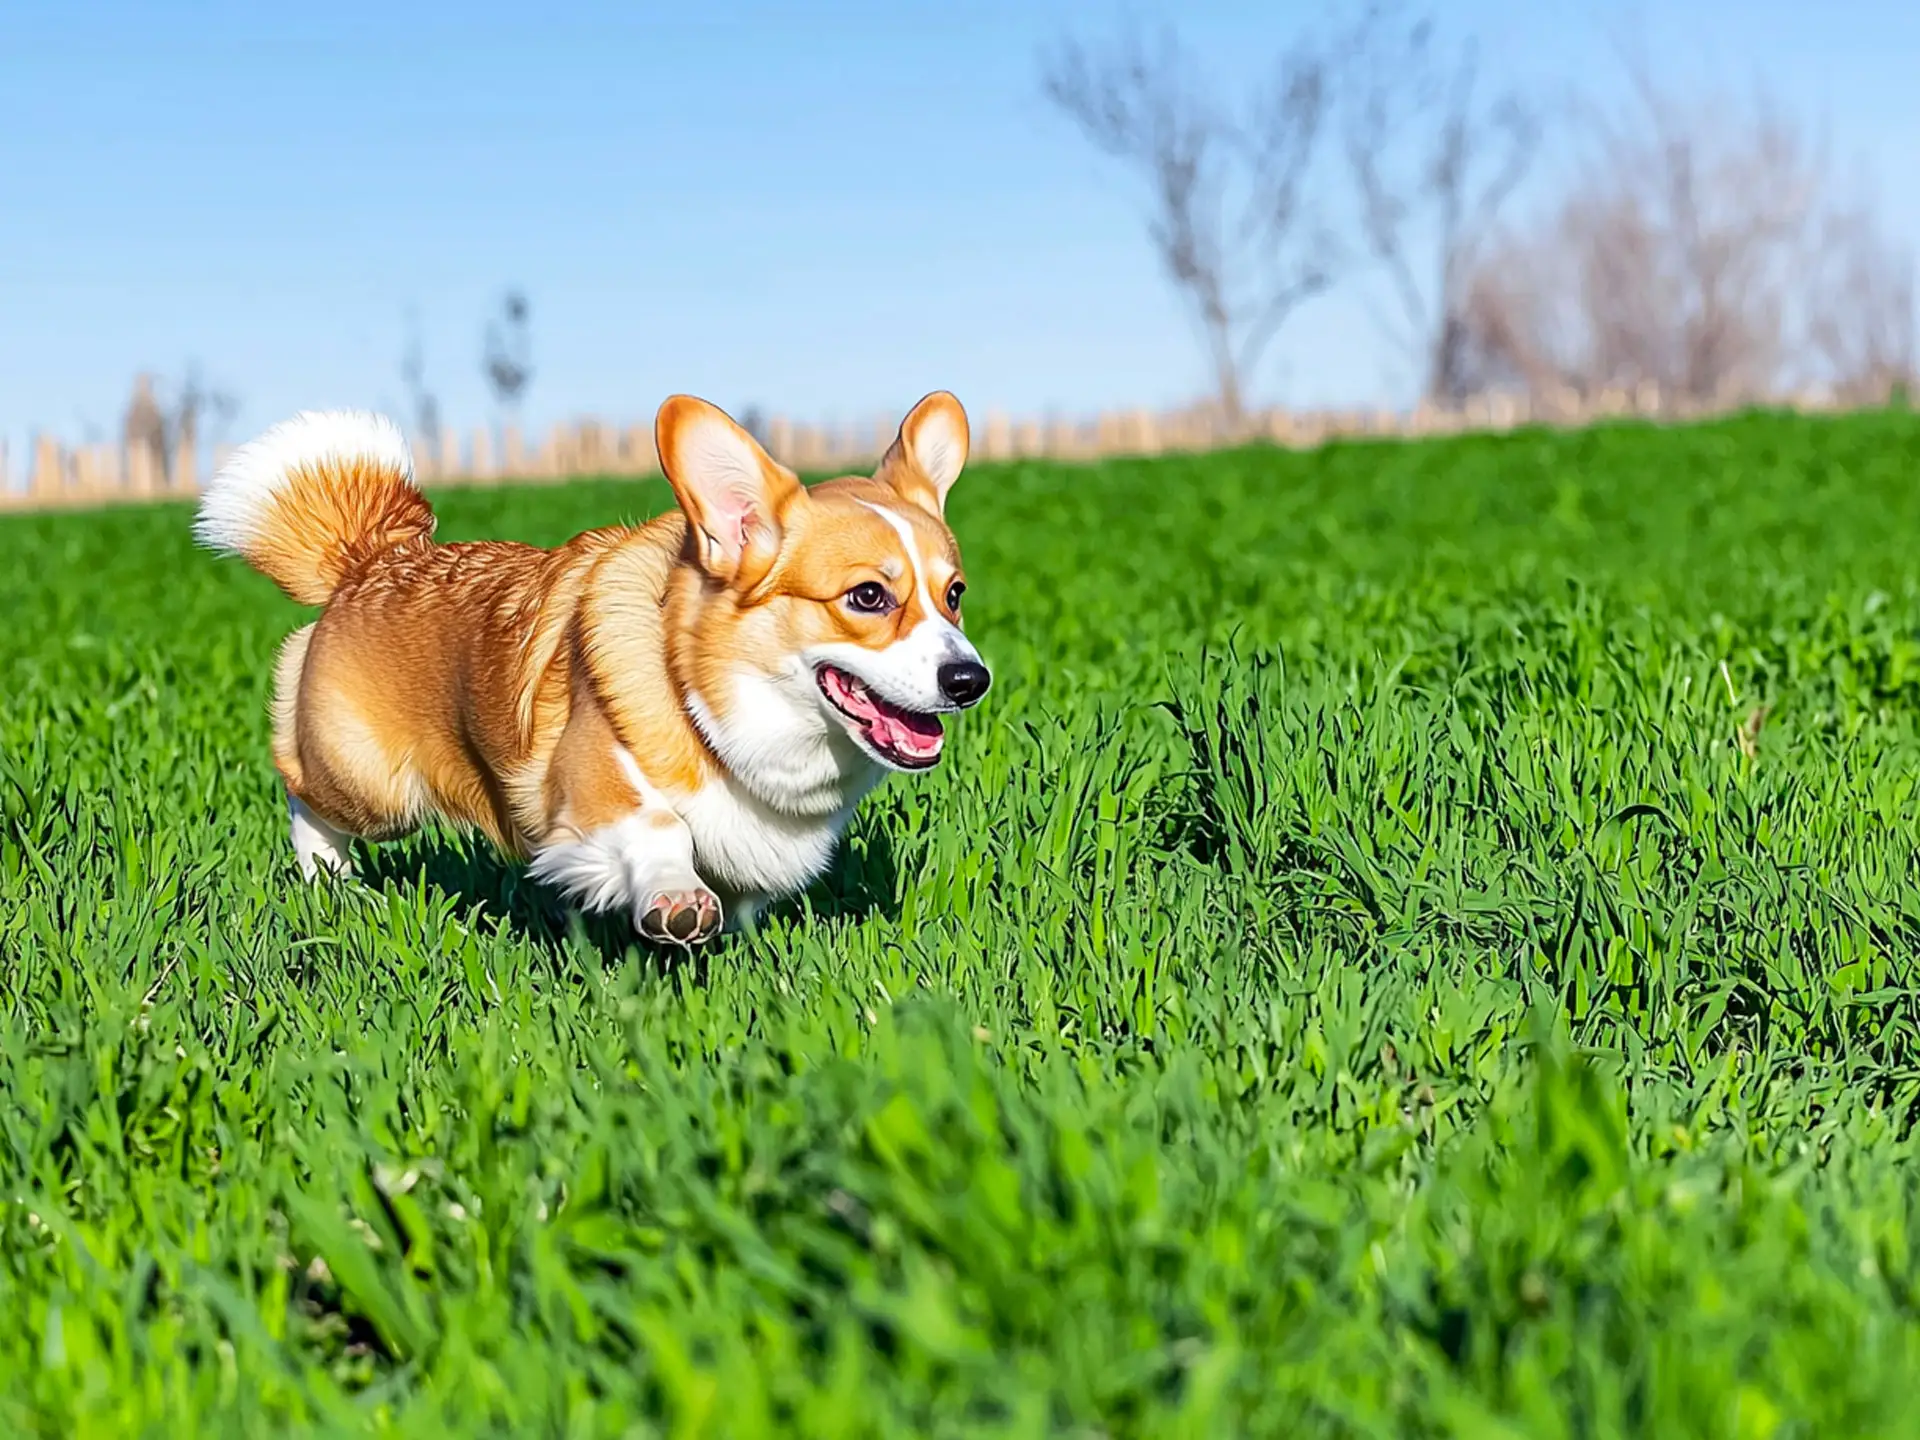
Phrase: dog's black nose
[964,681]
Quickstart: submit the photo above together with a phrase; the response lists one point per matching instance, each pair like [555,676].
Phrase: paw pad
[681,917]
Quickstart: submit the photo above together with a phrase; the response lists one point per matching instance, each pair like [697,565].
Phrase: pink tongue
[909,734]
[891,729]
[858,703]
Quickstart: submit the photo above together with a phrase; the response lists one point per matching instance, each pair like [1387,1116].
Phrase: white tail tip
[236,500]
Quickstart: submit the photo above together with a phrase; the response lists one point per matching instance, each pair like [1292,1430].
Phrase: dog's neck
[769,735]
[778,744]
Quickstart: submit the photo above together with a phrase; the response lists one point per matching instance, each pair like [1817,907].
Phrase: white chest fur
[768,824]
[743,847]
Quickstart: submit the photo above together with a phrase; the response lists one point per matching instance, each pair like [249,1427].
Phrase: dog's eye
[954,592]
[871,597]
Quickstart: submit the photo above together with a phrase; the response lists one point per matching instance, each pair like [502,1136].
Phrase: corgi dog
[672,720]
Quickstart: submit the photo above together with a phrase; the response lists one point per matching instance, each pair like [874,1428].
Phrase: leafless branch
[166,421]
[506,355]
[1862,323]
[1698,250]
[413,371]
[1432,165]
[1227,193]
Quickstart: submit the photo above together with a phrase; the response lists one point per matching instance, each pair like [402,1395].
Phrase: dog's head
[816,631]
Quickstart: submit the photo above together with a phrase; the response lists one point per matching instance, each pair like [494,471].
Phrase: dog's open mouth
[901,737]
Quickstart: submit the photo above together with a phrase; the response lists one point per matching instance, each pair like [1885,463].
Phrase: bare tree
[1862,317]
[1698,250]
[1227,192]
[413,371]
[506,357]
[189,402]
[1717,204]
[1433,159]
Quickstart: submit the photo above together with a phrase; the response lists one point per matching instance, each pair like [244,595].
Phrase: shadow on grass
[859,884]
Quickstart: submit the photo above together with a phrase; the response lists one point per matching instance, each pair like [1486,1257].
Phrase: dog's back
[434,672]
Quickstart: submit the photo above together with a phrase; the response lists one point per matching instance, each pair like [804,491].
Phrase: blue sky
[827,209]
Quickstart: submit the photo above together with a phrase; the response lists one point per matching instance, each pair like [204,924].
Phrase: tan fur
[284,707]
[499,685]
[333,517]
[434,682]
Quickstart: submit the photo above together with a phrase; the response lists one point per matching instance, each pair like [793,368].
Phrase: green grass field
[1366,970]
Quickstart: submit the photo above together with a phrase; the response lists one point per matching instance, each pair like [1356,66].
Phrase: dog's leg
[641,863]
[316,843]
[614,842]
[671,903]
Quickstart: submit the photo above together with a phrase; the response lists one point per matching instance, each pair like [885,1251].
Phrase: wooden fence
[60,476]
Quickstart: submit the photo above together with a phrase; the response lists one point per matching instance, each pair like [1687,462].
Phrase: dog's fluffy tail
[314,499]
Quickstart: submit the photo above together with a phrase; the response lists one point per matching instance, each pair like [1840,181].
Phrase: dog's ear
[927,455]
[732,492]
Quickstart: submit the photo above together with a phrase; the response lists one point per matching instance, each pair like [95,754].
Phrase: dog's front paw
[684,915]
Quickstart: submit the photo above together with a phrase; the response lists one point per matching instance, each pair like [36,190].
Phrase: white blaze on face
[907,672]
